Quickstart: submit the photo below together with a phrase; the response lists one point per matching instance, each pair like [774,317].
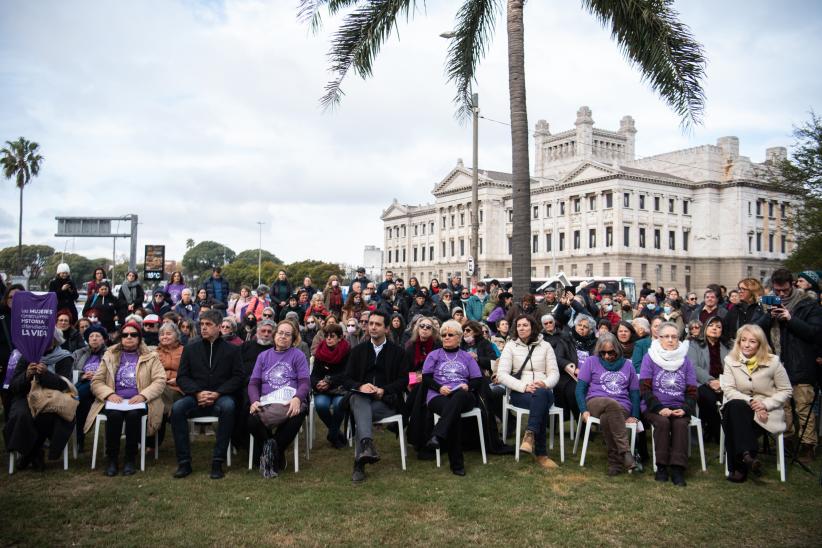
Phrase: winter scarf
[129,291]
[51,359]
[332,356]
[669,360]
[421,351]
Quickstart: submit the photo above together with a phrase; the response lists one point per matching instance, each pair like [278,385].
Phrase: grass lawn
[503,502]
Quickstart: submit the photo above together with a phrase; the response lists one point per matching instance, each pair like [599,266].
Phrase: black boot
[368,453]
[183,470]
[358,476]
[661,473]
[128,468]
[216,470]
[678,476]
[111,468]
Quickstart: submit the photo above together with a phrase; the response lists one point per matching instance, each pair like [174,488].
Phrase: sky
[203,117]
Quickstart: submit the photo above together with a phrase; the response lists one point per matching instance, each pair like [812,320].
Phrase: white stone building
[683,219]
[372,262]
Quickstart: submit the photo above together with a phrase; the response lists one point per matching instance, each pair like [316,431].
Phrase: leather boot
[527,445]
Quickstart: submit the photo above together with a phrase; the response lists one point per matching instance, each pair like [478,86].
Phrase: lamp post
[260,255]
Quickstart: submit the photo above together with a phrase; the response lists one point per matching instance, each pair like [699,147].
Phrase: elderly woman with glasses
[528,367]
[451,376]
[128,373]
[608,389]
[668,386]
[329,363]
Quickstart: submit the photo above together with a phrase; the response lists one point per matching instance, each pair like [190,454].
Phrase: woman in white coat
[528,367]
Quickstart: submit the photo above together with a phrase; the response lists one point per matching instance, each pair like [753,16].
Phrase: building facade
[679,219]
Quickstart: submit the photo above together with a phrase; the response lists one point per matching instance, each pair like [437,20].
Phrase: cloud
[202,117]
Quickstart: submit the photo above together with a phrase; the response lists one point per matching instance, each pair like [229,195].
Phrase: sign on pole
[155,263]
[470,266]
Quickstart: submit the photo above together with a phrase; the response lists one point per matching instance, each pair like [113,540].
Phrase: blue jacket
[474,306]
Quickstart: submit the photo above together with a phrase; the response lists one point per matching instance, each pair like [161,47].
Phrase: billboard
[155,261]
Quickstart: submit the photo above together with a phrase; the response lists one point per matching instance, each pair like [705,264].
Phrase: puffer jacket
[541,367]
[151,381]
[769,384]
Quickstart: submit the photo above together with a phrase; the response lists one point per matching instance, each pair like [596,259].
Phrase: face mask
[667,309]
[608,308]
[650,306]
[311,325]
[351,328]
[468,340]
[366,298]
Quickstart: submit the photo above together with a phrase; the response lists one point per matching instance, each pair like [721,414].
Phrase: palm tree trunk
[521,176]
[20,235]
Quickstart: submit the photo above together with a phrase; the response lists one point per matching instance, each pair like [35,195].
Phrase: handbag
[518,374]
[47,400]
[274,414]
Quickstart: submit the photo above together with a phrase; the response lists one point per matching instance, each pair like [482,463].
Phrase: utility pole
[475,191]
[260,255]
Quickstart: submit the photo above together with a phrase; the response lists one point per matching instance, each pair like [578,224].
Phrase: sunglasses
[267,315]
[426,326]
[450,335]
[604,353]
[130,335]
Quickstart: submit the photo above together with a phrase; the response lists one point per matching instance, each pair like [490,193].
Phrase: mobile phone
[771,300]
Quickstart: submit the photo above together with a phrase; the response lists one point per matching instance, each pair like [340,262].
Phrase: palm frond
[473,32]
[651,36]
[358,40]
[308,11]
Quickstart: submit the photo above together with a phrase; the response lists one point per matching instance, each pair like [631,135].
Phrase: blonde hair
[754,286]
[763,353]
[296,339]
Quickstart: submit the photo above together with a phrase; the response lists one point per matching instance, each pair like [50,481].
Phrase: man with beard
[262,341]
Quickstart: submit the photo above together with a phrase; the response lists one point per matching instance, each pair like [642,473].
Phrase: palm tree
[189,244]
[20,159]
[647,31]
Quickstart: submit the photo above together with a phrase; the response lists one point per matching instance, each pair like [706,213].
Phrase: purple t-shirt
[668,386]
[12,365]
[609,384]
[92,364]
[450,369]
[282,374]
[175,291]
[125,381]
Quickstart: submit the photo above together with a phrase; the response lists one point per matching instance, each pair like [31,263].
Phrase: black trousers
[708,413]
[114,426]
[449,408]
[741,433]
[283,434]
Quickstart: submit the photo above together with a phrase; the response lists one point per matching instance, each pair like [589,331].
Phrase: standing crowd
[747,363]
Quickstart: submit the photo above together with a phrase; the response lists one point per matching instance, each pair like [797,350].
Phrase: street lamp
[260,255]
[474,180]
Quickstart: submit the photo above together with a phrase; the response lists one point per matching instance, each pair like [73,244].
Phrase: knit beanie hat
[95,328]
[811,277]
[63,267]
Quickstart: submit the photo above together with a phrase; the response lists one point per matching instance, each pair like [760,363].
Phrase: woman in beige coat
[129,373]
[755,387]
[528,367]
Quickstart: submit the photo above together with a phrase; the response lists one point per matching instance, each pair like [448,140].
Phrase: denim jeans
[538,404]
[328,408]
[186,408]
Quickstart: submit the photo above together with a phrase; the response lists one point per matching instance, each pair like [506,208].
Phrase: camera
[771,300]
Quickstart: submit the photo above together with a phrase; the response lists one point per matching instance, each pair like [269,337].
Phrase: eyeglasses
[449,334]
[283,333]
[464,294]
[426,326]
[743,289]
[331,336]
[130,335]
[669,337]
[363,321]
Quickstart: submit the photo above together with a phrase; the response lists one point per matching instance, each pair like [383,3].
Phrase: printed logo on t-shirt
[278,375]
[582,355]
[670,383]
[613,382]
[127,372]
[452,372]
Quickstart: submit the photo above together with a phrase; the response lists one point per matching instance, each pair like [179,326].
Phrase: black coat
[393,364]
[800,341]
[216,367]
[741,314]
[65,299]
[442,310]
[122,303]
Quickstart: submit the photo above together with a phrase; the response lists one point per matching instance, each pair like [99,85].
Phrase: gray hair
[666,325]
[643,323]
[606,338]
[58,336]
[169,326]
[585,318]
[451,325]
[650,298]
[546,317]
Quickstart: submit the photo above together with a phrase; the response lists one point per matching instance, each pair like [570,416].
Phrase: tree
[240,273]
[250,256]
[81,267]
[318,271]
[20,159]
[205,256]
[801,176]
[189,244]
[647,31]
[34,257]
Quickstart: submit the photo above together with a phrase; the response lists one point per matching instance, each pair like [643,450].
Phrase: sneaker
[268,460]
[527,445]
[661,473]
[546,463]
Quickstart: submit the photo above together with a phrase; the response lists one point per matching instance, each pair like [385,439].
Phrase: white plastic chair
[555,411]
[780,454]
[695,423]
[387,420]
[632,426]
[296,445]
[475,412]
[206,420]
[101,418]
[13,458]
